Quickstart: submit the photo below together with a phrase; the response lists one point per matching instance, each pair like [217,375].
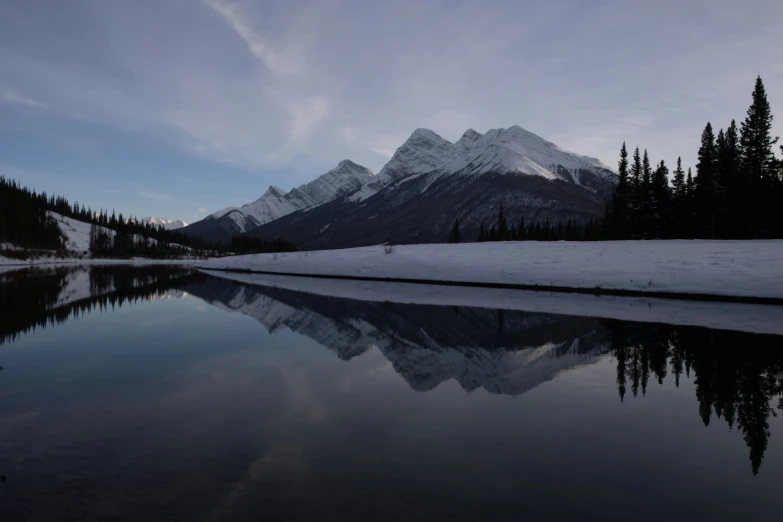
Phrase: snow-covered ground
[751,318]
[77,243]
[748,269]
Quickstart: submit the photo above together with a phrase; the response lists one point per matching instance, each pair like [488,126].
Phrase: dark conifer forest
[25,222]
[736,192]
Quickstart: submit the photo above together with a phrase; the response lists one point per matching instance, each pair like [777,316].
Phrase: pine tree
[522,230]
[455,236]
[707,184]
[758,162]
[679,199]
[620,201]
[661,200]
[634,207]
[730,180]
[502,229]
[482,235]
[646,210]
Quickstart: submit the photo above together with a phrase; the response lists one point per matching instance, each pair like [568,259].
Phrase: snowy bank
[762,319]
[748,270]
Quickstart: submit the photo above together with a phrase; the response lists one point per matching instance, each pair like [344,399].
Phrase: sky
[178,108]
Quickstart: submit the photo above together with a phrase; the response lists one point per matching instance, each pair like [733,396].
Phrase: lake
[161,393]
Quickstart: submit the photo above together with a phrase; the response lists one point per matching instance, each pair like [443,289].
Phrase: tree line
[545,230]
[23,218]
[25,222]
[736,192]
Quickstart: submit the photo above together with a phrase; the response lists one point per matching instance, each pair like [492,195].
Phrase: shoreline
[597,291]
[719,271]
[752,318]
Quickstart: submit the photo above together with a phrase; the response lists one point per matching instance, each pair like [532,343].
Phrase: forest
[736,192]
[25,222]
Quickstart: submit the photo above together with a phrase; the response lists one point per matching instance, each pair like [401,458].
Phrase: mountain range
[428,183]
[167,224]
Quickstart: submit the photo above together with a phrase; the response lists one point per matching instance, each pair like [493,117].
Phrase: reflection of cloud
[157,321]
[282,465]
[201,308]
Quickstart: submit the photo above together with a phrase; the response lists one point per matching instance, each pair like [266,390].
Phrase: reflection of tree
[737,375]
[29,298]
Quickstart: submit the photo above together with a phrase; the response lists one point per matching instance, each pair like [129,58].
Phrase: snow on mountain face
[515,150]
[165,223]
[346,178]
[499,151]
[420,153]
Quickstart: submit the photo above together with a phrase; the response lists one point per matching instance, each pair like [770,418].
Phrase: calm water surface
[159,393]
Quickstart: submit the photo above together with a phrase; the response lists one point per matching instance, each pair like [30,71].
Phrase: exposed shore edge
[598,291]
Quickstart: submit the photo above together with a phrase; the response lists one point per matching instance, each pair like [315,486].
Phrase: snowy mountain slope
[466,179]
[430,182]
[77,234]
[499,151]
[506,353]
[346,178]
[422,152]
[167,224]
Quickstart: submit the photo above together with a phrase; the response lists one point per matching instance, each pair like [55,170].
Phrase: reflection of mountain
[511,352]
[37,297]
[506,352]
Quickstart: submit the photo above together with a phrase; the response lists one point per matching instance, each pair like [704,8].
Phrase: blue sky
[180,107]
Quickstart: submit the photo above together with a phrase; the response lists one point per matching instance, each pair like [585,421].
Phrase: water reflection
[44,296]
[738,376]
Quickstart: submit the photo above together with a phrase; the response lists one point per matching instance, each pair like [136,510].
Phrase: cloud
[287,88]
[155,195]
[10,96]
[201,210]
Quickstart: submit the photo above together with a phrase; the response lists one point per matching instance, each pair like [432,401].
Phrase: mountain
[430,182]
[165,223]
[346,178]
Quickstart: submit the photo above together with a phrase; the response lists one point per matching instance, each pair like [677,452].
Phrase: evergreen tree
[679,201]
[661,200]
[522,230]
[634,207]
[646,210]
[707,184]
[502,230]
[455,236]
[620,201]
[729,178]
[482,235]
[758,162]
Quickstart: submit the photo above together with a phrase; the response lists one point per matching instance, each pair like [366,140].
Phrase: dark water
[158,393]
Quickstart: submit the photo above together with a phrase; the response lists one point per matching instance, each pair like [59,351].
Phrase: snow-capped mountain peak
[346,178]
[426,160]
[274,191]
[167,224]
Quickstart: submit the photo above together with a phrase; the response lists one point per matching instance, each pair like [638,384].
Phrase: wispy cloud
[155,195]
[11,97]
[201,210]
